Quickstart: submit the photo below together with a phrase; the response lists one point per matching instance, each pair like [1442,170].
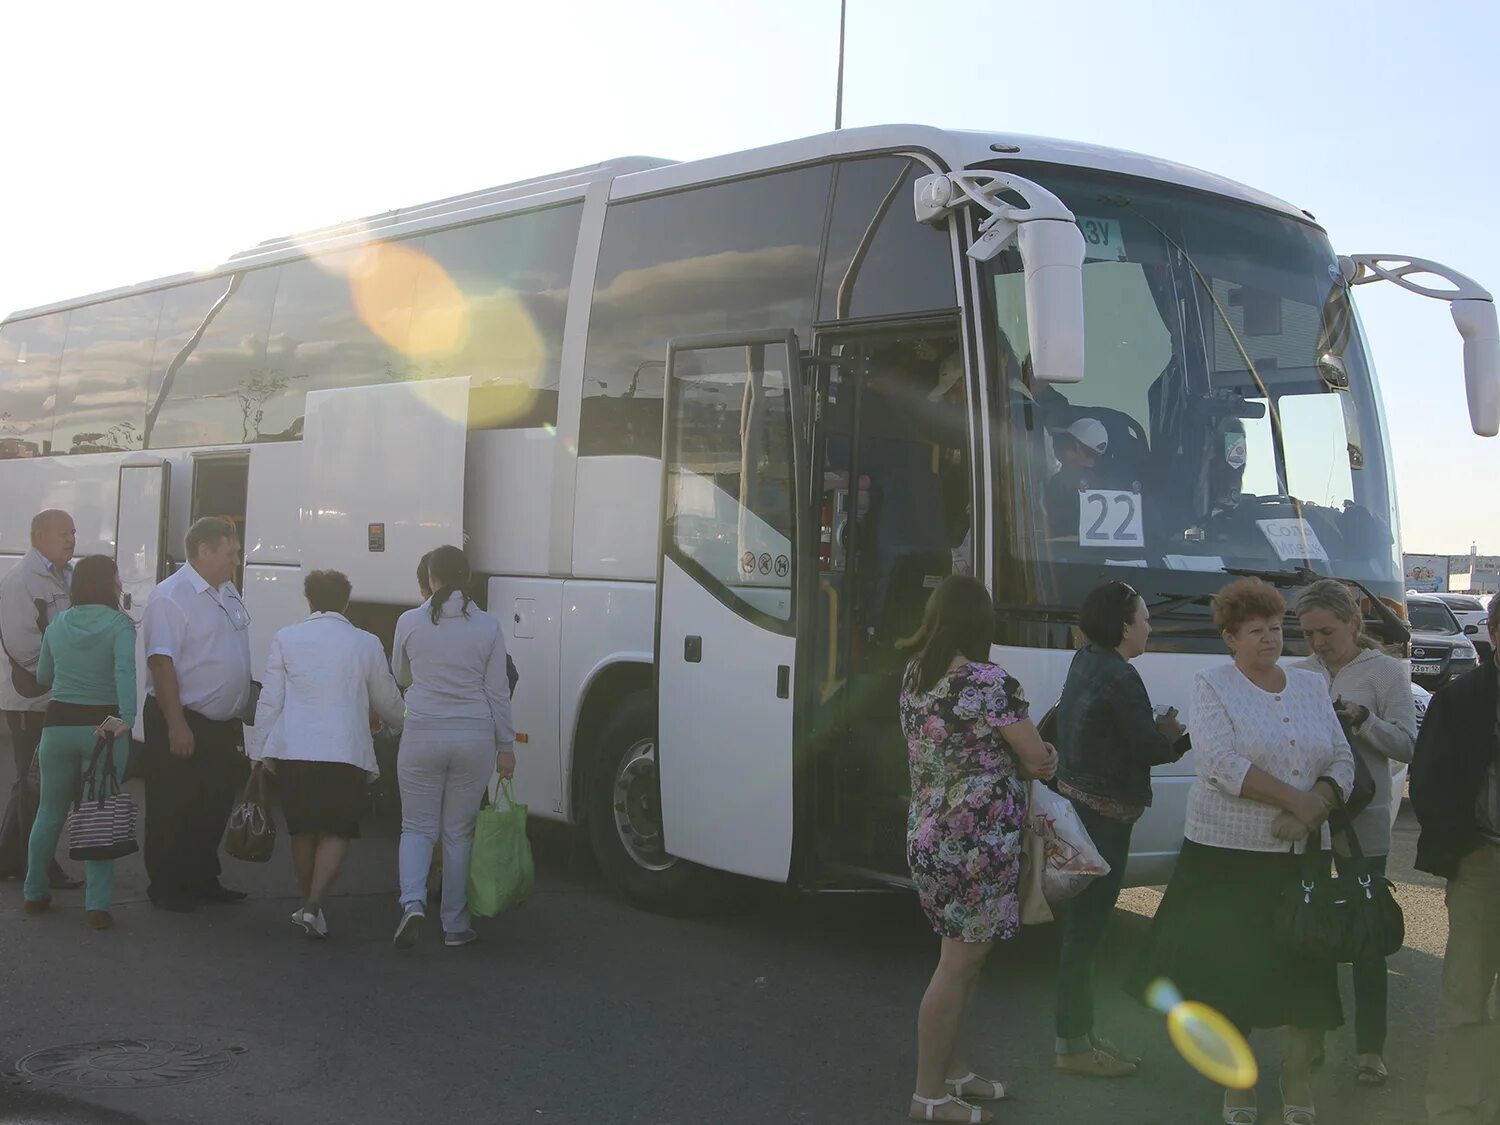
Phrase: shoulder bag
[1345,919]
[102,825]
[22,678]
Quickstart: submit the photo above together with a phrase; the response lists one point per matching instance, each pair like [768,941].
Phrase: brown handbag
[251,835]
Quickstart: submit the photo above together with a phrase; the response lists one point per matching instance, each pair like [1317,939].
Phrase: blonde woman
[1372,695]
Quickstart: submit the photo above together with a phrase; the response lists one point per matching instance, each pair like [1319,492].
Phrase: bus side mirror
[1473,313]
[1477,324]
[1051,247]
[1052,257]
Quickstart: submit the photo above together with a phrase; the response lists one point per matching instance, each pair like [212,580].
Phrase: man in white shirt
[198,654]
[32,593]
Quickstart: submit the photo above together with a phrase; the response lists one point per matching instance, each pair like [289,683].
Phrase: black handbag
[1364,787]
[1345,919]
[22,678]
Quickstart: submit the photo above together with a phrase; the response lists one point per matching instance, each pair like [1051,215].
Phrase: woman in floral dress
[971,747]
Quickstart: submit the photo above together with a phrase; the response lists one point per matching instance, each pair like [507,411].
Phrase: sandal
[1297,1114]
[1371,1073]
[976,1116]
[997,1088]
[1241,1114]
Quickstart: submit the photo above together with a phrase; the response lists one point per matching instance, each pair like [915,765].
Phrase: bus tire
[624,818]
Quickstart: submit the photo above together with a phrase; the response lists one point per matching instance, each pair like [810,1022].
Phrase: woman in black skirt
[326,685]
[1272,762]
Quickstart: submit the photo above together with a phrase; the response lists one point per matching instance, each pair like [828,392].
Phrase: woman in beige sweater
[1372,697]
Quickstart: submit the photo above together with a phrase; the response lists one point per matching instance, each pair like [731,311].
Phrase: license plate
[1426,669]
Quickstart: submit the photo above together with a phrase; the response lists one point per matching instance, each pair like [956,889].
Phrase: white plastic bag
[1070,858]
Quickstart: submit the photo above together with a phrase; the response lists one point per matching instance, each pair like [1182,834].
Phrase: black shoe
[220,893]
[178,904]
[60,880]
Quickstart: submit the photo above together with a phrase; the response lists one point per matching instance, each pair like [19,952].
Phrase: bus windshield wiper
[1396,629]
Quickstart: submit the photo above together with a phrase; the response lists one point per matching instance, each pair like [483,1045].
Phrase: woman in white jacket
[327,684]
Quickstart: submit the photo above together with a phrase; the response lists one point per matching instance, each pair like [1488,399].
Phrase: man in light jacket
[32,593]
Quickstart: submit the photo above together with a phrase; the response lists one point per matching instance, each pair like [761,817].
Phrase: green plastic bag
[500,869]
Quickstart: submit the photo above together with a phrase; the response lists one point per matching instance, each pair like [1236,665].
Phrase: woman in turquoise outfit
[88,660]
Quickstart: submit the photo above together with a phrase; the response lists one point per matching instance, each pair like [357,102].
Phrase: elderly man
[198,653]
[32,593]
[1455,791]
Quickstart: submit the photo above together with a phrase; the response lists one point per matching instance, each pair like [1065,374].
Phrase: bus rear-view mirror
[1478,326]
[1052,257]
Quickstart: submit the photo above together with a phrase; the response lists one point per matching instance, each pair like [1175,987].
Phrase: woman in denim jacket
[1107,741]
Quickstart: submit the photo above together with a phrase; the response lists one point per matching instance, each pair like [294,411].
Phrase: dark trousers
[1083,920]
[187,803]
[1371,985]
[15,830]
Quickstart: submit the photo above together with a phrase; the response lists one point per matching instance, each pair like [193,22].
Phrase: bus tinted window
[29,355]
[736,256]
[500,296]
[906,266]
[318,341]
[106,366]
[214,393]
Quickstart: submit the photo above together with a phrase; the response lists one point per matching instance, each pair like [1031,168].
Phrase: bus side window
[719,258]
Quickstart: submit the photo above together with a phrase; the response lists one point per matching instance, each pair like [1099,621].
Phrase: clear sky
[159,137]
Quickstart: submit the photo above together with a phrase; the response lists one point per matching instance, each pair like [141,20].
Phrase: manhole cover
[125,1063]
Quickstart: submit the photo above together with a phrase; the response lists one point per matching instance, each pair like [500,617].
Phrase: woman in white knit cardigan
[1372,697]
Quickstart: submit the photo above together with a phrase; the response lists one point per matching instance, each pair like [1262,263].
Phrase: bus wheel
[625,819]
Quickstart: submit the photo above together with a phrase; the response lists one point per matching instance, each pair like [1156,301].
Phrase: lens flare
[385,280]
[1211,1044]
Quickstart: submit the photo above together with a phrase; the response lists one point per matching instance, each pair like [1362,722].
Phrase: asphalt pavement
[579,1008]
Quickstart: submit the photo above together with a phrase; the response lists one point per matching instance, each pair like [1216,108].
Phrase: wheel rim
[637,807]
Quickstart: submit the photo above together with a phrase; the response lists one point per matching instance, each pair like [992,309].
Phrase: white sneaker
[463,937]
[410,926]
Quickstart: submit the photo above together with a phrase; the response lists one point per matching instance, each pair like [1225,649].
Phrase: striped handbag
[102,825]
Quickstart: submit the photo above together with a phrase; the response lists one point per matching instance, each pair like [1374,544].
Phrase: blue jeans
[1370,980]
[1084,920]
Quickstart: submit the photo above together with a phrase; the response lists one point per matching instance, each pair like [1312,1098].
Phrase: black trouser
[1084,920]
[187,803]
[15,830]
[1371,984]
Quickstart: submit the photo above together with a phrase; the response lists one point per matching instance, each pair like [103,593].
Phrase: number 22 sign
[1110,518]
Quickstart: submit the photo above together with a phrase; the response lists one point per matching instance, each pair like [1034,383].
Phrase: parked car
[1471,610]
[1440,650]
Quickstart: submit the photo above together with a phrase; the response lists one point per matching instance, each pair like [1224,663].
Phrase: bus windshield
[1228,419]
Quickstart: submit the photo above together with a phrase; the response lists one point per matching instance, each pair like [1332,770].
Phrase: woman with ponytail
[450,656]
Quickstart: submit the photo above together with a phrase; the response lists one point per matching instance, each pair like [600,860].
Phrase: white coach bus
[712,431]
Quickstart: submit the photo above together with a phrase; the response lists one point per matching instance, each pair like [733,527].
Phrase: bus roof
[634,176]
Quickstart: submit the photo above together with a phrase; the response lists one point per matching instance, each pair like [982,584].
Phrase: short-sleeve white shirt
[206,632]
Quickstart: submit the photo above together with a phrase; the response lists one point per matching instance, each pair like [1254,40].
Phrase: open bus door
[729,598]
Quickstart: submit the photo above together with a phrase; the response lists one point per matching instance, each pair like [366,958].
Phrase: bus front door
[728,601]
[892,469]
